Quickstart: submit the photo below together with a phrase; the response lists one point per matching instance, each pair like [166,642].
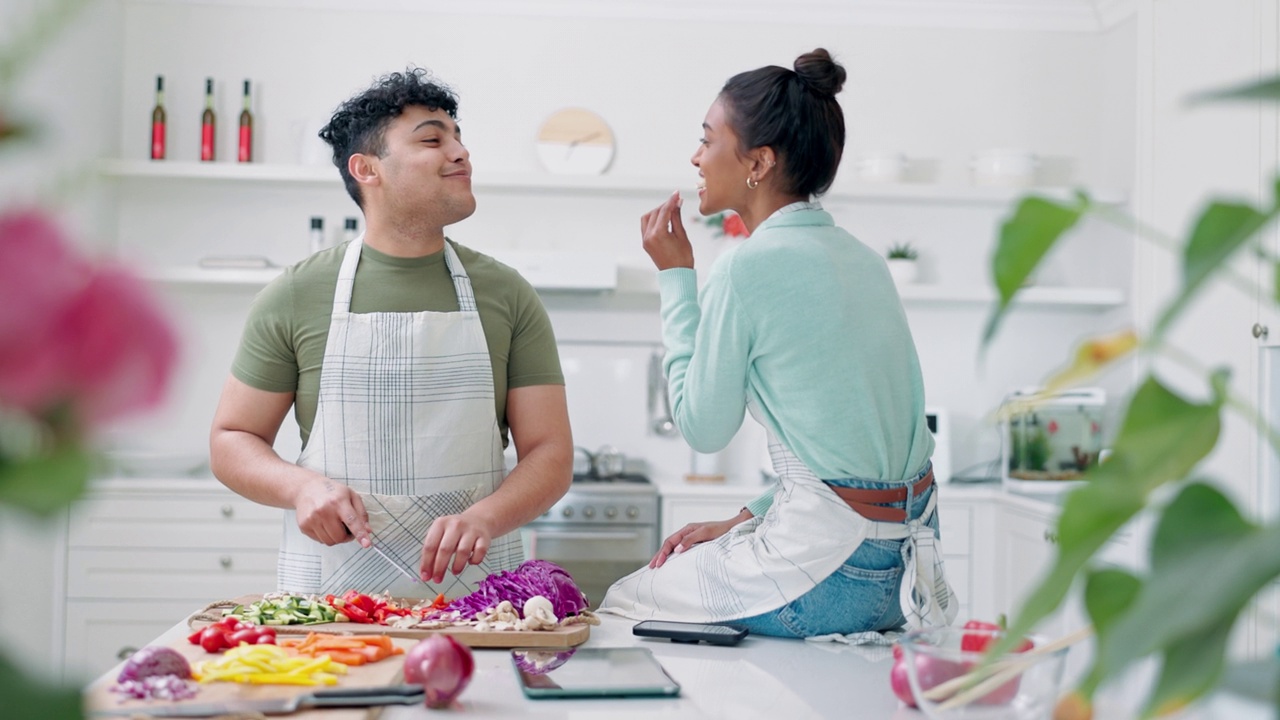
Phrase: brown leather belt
[870,503]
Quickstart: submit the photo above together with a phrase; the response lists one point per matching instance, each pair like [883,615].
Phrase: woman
[802,326]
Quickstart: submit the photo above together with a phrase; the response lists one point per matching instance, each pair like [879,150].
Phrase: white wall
[937,95]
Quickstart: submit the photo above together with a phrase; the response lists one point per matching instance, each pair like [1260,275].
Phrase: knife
[342,697]
[395,564]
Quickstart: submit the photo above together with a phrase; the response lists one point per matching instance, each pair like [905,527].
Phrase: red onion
[442,666]
[154,660]
[156,687]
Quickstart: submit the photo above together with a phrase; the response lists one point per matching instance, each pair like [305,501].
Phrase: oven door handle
[572,535]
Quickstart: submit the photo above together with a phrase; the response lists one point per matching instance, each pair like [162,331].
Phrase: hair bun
[818,71]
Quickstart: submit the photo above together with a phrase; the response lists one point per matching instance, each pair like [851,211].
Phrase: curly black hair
[359,124]
[796,113]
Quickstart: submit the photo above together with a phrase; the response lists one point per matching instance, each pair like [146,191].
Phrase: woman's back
[832,365]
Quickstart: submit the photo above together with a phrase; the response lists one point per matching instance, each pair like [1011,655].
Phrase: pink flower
[74,334]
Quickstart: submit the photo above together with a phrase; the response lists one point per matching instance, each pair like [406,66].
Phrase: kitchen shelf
[1096,299]
[1082,298]
[325,175]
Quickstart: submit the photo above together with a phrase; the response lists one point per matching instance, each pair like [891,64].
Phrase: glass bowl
[1017,686]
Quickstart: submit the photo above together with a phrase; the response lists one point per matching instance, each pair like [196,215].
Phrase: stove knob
[633,512]
[567,512]
[611,512]
[588,512]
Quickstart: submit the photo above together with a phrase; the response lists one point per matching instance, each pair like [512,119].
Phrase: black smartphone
[686,632]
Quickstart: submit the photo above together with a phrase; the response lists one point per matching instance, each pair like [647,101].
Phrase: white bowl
[885,167]
[1005,168]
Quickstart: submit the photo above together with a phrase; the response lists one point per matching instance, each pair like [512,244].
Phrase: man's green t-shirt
[282,349]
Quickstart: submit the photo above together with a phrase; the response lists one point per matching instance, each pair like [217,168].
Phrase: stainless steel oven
[600,531]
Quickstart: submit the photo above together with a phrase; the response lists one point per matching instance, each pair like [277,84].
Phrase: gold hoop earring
[751,185]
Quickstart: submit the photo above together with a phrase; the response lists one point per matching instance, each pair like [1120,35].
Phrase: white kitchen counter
[760,678]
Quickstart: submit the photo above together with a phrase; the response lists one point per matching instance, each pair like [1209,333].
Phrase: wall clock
[574,141]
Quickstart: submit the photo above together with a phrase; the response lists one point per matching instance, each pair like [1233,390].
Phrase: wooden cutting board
[562,637]
[384,672]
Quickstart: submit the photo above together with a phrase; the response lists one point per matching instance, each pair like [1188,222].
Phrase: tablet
[591,673]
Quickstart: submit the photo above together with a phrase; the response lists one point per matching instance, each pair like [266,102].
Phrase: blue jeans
[861,595]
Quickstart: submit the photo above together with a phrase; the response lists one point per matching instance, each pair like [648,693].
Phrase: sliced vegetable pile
[230,632]
[361,608]
[532,578]
[346,649]
[268,665]
[286,609]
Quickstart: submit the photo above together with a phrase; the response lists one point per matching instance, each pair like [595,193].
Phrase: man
[406,358]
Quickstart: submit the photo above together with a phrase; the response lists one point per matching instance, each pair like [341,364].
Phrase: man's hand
[331,513]
[664,236]
[460,539]
[694,533]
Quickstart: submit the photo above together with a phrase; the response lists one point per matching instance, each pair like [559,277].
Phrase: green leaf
[1204,580]
[1163,436]
[1221,230]
[1268,89]
[1161,439]
[1192,666]
[1199,514]
[25,697]
[1107,594]
[46,483]
[1025,239]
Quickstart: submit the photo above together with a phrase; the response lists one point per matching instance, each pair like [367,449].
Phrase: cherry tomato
[213,639]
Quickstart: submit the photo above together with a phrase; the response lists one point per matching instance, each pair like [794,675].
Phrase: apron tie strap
[925,597]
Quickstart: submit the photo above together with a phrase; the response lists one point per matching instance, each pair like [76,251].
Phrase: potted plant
[901,258]
[1167,610]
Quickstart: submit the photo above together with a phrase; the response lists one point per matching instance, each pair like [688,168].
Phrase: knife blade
[395,564]
[337,698]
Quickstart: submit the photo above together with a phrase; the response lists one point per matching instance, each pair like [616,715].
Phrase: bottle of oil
[207,124]
[246,129]
[157,122]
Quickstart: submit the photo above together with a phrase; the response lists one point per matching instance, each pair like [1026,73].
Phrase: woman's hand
[664,236]
[694,533]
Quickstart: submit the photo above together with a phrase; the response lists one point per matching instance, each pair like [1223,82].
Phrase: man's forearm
[537,481]
[250,467]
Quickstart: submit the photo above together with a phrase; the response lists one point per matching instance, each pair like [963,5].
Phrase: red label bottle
[246,129]
[157,122]
[207,123]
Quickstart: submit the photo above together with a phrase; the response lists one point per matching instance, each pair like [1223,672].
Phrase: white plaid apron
[405,417]
[764,563]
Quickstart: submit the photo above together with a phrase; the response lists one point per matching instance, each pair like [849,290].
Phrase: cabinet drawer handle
[1050,536]
[125,652]
[228,511]
[225,562]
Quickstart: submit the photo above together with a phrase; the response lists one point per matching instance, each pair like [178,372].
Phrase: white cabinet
[144,554]
[1027,548]
[684,505]
[967,530]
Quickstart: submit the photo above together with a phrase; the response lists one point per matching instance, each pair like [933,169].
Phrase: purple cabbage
[541,662]
[534,577]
